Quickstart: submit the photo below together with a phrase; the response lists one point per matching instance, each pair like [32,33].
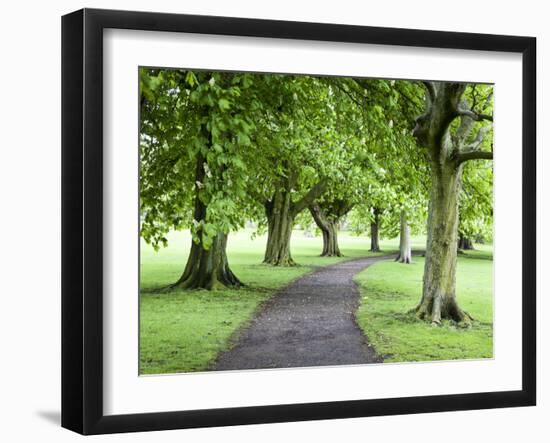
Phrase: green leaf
[224,104]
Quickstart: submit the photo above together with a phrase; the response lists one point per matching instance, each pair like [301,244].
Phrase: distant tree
[475,221]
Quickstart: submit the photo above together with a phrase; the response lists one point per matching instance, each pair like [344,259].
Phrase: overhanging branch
[474,115]
[430,87]
[461,157]
[314,193]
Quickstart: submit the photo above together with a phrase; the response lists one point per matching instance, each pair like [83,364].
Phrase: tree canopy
[220,149]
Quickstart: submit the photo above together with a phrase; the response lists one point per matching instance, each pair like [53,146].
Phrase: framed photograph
[268,221]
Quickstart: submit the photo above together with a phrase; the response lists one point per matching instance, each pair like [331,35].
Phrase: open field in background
[165,266]
[388,288]
[184,331]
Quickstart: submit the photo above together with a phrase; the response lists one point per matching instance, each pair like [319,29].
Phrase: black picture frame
[82,218]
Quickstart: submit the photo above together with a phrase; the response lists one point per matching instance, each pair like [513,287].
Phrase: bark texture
[327,216]
[329,230]
[280,220]
[447,153]
[405,255]
[439,284]
[208,268]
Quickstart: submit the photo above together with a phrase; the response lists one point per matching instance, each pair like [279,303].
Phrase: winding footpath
[310,322]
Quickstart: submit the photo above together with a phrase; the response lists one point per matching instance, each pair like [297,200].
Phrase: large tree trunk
[465,243]
[439,285]
[207,268]
[405,255]
[375,232]
[448,151]
[280,221]
[329,229]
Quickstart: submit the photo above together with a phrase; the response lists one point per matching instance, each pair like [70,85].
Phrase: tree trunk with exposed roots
[207,267]
[439,283]
[447,153]
[405,255]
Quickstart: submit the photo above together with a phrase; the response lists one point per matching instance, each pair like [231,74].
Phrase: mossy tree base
[208,268]
[435,308]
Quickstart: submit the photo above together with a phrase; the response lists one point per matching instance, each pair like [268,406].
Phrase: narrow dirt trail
[310,322]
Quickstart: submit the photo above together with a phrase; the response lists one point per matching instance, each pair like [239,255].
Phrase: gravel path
[311,322]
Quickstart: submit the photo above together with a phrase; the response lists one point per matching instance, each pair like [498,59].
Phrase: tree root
[288,262]
[433,312]
[332,254]
[404,260]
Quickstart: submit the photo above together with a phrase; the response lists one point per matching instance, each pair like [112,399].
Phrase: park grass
[184,331]
[389,290]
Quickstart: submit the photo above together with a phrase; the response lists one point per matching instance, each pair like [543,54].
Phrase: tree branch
[318,215]
[430,87]
[350,95]
[461,157]
[474,115]
[314,193]
[476,143]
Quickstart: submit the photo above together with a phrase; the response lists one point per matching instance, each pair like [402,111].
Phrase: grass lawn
[184,331]
[390,289]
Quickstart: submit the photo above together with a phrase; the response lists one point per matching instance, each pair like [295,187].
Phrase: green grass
[389,290]
[184,331]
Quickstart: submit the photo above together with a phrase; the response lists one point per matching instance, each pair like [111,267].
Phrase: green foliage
[194,123]
[396,174]
[257,133]
[231,141]
[476,198]
[476,202]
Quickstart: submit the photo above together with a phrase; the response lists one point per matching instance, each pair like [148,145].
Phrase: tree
[375,230]
[327,216]
[396,193]
[453,130]
[293,180]
[302,149]
[194,131]
[281,212]
[354,169]
[405,255]
[475,221]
